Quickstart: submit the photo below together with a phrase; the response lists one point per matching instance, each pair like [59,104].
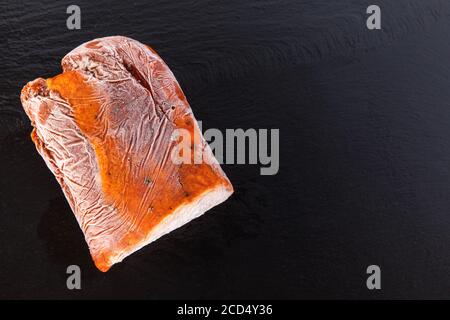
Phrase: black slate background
[364,120]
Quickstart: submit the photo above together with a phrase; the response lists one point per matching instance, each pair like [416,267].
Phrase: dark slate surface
[364,118]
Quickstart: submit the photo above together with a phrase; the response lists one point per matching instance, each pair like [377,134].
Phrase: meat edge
[178,218]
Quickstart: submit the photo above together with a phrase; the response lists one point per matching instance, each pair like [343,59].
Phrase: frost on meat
[104,128]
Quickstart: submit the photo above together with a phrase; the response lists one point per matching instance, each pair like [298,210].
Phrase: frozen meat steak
[105,128]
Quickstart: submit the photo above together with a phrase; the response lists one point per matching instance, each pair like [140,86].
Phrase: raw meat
[105,128]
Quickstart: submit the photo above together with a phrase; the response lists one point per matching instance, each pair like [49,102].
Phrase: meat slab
[105,128]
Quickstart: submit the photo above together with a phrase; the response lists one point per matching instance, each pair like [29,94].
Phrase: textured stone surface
[364,132]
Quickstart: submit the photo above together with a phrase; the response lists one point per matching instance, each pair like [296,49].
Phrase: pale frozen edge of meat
[181,216]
